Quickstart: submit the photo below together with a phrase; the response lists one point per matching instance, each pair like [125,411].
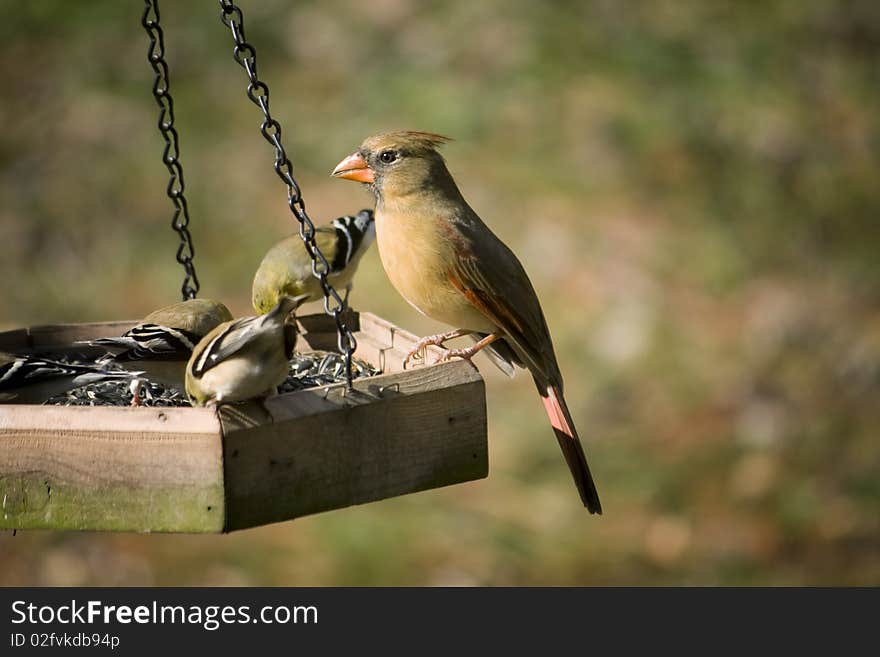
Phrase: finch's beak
[354,167]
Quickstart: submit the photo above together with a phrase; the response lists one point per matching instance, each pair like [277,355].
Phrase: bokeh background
[693,186]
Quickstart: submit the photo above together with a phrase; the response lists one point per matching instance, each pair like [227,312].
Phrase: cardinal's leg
[470,352]
[436,340]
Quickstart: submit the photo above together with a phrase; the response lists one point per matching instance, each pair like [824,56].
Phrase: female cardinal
[447,264]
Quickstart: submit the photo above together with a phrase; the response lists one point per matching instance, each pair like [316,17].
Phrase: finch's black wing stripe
[343,248]
[225,344]
[155,342]
[113,345]
[348,232]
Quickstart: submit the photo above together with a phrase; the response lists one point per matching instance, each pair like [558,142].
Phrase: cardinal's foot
[470,352]
[436,340]
[465,354]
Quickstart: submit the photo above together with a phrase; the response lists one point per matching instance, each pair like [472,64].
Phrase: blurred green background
[693,186]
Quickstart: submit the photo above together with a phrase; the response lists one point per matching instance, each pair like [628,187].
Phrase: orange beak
[354,167]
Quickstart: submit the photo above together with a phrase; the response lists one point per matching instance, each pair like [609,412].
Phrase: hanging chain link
[171,154]
[258,92]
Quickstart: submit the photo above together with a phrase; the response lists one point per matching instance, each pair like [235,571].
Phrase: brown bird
[446,263]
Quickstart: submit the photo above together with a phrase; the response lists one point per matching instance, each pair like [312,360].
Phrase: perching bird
[162,343]
[33,380]
[286,268]
[446,263]
[244,358]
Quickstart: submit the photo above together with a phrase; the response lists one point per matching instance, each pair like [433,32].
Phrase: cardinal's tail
[563,427]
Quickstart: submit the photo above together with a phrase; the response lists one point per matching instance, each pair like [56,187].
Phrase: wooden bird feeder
[204,470]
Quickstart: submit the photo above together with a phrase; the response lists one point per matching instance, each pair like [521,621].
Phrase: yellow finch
[162,343]
[286,268]
[244,358]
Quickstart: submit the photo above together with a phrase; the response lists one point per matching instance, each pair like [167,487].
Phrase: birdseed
[307,370]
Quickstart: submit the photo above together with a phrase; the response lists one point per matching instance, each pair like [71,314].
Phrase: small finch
[243,359]
[286,269]
[162,343]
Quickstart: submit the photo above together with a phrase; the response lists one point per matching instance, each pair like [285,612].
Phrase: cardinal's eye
[387,157]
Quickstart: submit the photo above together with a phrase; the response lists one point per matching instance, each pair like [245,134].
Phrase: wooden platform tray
[198,470]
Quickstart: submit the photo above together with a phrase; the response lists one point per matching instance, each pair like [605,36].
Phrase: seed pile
[308,370]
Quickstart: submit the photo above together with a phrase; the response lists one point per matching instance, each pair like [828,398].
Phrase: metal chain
[171,154]
[258,92]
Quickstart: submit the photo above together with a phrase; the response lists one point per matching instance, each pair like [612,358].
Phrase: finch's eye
[387,157]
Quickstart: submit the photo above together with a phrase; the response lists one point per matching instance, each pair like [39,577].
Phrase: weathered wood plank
[14,340]
[322,449]
[385,345]
[318,331]
[322,323]
[110,469]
